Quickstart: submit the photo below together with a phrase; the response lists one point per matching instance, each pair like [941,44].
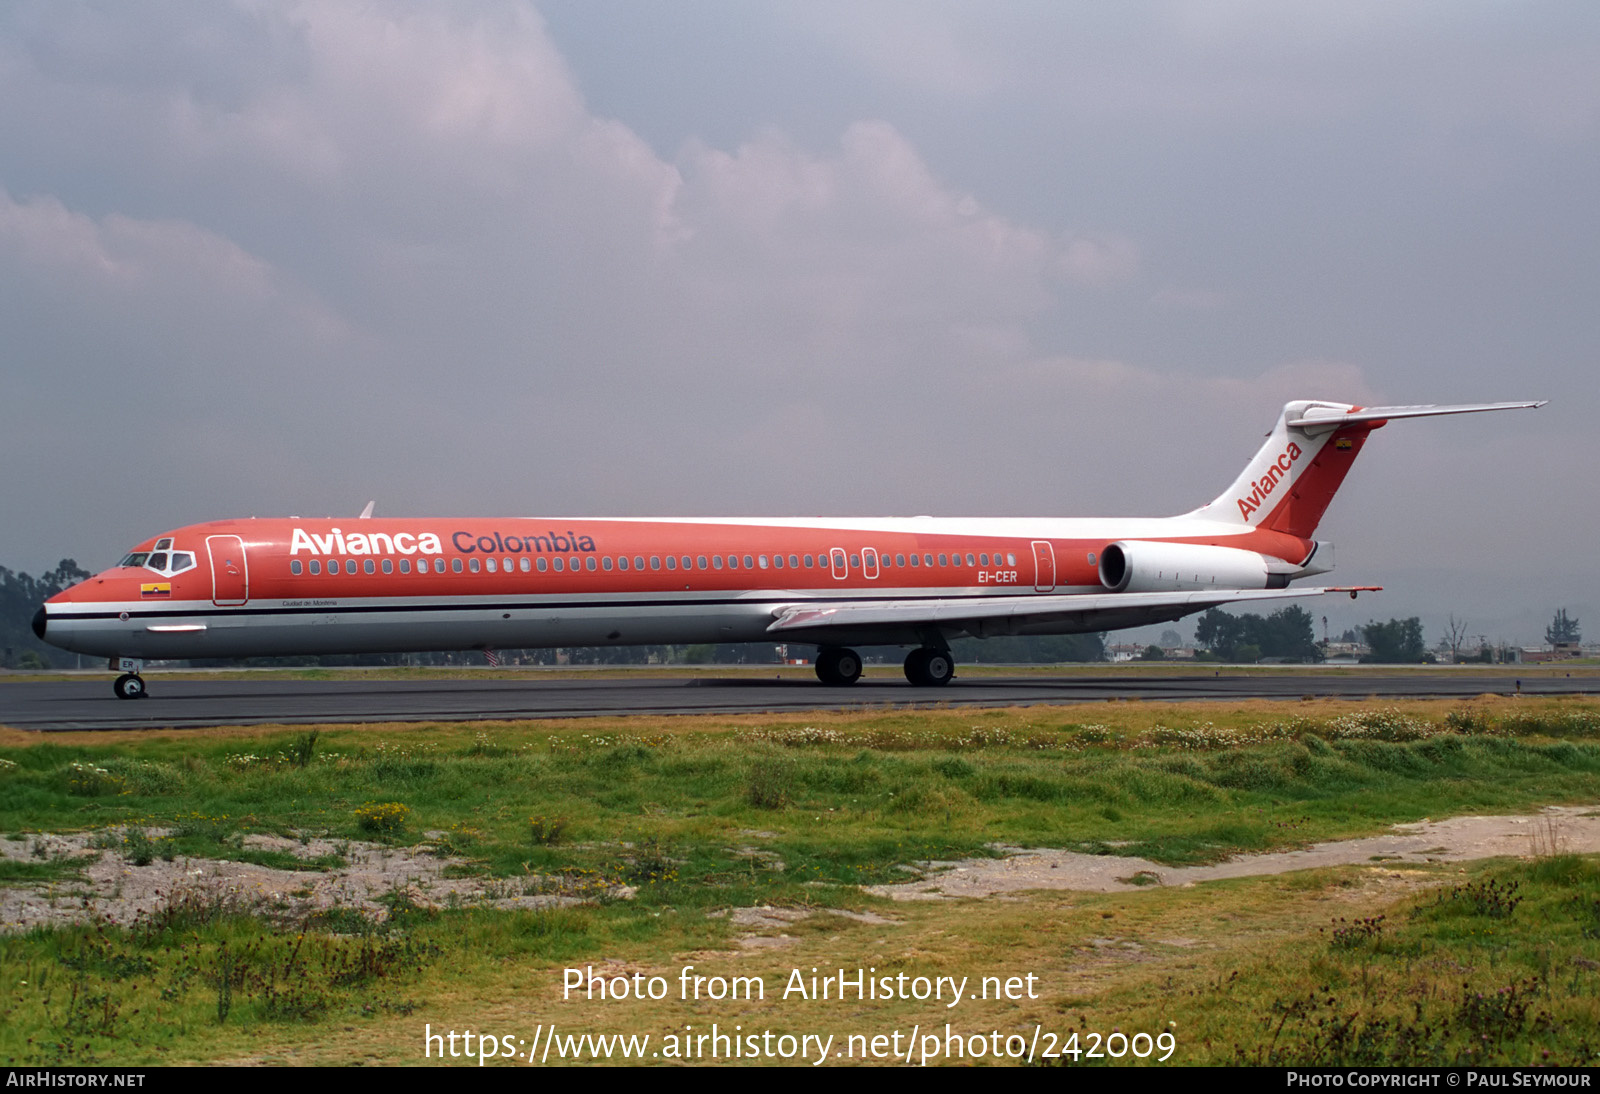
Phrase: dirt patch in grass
[114,884]
[1557,830]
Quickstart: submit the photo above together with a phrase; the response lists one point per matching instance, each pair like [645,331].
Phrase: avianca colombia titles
[290,586]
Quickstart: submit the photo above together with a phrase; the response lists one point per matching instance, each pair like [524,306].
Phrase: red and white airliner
[254,587]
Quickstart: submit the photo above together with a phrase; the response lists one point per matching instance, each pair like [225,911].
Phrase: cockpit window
[162,560]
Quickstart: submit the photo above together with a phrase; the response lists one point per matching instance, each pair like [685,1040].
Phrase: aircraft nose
[39,621]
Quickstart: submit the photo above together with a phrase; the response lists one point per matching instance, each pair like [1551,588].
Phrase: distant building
[1559,651]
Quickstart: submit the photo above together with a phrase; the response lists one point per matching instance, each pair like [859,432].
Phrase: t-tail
[1288,485]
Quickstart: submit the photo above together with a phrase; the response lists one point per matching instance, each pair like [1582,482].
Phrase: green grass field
[700,816]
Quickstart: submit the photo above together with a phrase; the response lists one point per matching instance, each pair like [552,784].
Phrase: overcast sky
[593,257]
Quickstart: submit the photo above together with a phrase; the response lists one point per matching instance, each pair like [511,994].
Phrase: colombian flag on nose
[156,588]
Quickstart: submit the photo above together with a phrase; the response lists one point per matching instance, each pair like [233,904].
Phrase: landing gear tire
[929,668]
[838,667]
[130,686]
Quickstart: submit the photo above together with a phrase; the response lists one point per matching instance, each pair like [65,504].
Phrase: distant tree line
[1285,635]
[20,597]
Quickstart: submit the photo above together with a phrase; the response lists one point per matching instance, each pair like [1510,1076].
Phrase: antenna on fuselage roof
[366,514]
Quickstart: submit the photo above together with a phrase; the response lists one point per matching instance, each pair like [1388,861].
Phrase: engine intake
[1136,566]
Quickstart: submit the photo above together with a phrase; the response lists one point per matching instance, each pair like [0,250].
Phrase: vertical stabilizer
[1288,485]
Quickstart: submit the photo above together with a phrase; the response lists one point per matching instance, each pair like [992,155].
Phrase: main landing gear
[130,685]
[930,668]
[926,667]
[838,666]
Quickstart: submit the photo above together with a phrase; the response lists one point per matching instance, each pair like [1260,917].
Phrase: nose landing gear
[130,685]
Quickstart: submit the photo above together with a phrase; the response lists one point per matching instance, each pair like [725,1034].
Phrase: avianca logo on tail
[1277,472]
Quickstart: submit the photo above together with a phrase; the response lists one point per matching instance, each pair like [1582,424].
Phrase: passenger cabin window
[526,565]
[294,566]
[455,565]
[405,565]
[794,561]
[543,565]
[472,564]
[490,565]
[314,566]
[559,563]
[606,563]
[369,566]
[590,564]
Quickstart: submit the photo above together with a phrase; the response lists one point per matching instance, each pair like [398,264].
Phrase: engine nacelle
[1136,566]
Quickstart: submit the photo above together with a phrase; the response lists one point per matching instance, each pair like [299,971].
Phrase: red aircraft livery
[254,587]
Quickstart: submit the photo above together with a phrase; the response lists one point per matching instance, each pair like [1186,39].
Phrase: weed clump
[771,783]
[382,818]
[87,780]
[1349,936]
[304,747]
[1389,724]
[1486,898]
[547,831]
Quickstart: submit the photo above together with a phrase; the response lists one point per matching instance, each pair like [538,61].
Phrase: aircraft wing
[1004,614]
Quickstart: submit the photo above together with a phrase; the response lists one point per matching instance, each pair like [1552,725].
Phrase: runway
[89,705]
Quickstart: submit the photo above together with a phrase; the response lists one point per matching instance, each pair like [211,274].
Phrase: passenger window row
[591,563]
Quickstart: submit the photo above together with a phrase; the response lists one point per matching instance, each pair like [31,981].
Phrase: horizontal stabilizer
[1318,418]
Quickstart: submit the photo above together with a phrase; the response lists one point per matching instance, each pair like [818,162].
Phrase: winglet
[366,514]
